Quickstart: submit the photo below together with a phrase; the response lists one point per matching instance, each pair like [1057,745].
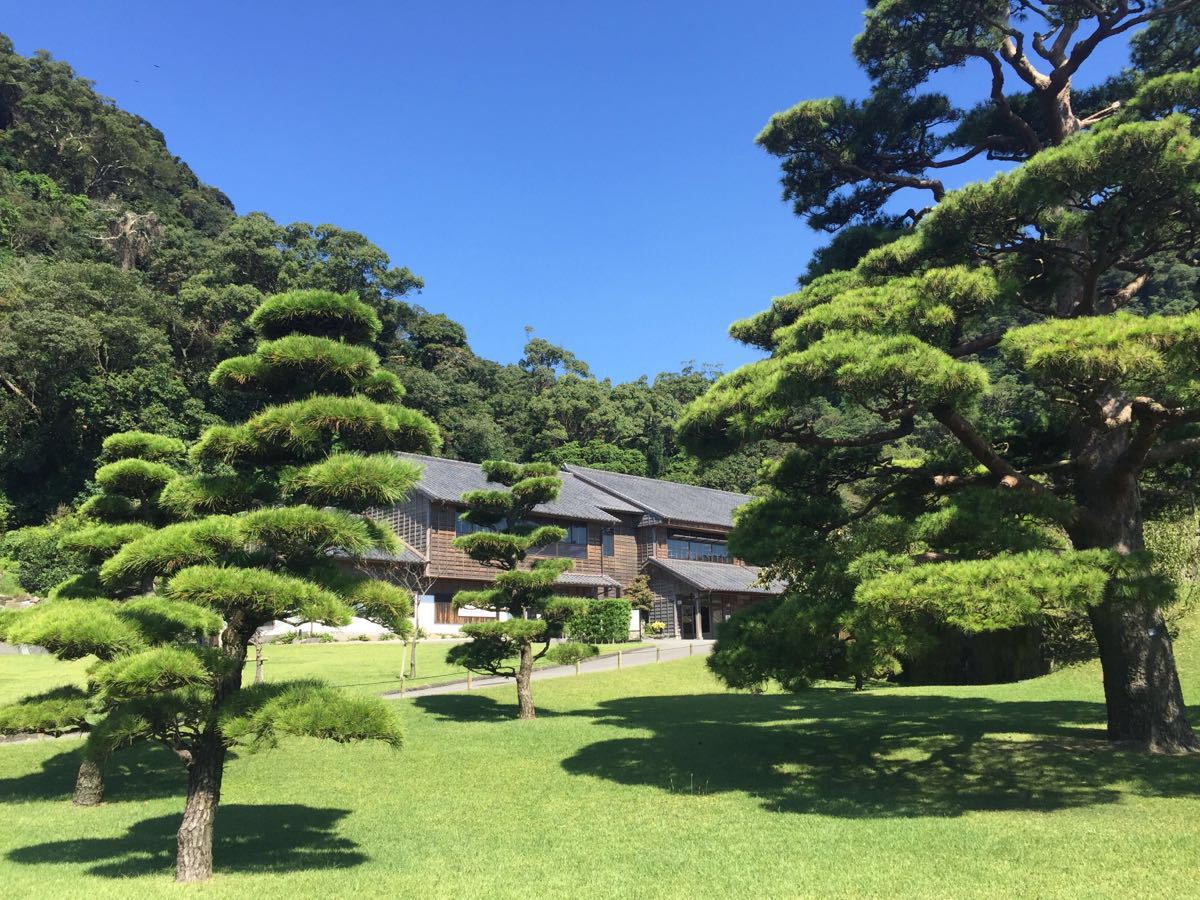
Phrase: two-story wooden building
[618,526]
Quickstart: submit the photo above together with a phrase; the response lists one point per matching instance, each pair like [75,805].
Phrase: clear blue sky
[589,170]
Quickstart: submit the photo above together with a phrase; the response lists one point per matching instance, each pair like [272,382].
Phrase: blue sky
[589,170]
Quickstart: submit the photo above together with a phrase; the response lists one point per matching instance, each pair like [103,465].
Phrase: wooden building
[618,526]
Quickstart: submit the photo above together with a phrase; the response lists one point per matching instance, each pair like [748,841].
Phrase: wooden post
[658,653]
[468,679]
[576,667]
[618,659]
[259,659]
[691,646]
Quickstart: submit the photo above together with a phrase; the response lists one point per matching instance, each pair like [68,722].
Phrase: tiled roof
[446,480]
[406,555]
[705,576]
[580,578]
[667,500]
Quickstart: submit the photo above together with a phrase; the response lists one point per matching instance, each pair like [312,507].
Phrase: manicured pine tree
[275,505]
[134,468]
[526,594]
[1028,285]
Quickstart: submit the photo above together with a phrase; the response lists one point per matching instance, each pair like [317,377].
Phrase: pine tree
[275,504]
[894,379]
[81,618]
[526,594]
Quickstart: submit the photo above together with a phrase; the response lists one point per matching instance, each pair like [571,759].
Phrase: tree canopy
[975,404]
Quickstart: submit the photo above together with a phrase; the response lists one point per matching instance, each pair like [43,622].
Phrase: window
[608,543]
[682,546]
[462,526]
[573,545]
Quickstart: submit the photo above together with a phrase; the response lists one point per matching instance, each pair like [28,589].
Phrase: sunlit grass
[652,782]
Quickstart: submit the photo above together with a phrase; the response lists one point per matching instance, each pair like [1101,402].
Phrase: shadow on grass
[140,773]
[472,708]
[877,755]
[258,838]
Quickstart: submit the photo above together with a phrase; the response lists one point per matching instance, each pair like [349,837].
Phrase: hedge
[600,622]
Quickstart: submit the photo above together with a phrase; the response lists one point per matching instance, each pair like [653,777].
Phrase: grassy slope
[653,782]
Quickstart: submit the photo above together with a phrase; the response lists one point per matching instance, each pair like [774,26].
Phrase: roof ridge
[572,467]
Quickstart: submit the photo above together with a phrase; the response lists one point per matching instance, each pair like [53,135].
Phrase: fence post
[618,659]
[658,653]
[576,667]
[691,646]
[468,679]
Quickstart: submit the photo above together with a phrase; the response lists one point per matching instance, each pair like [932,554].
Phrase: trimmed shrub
[313,312]
[142,445]
[600,622]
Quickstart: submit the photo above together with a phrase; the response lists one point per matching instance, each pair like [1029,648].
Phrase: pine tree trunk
[524,676]
[1141,686]
[89,783]
[194,860]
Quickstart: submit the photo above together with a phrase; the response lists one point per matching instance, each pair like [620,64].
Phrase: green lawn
[652,782]
[370,667]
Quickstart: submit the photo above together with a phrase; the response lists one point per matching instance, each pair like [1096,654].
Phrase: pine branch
[978,447]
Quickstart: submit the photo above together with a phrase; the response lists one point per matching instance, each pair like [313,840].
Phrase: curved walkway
[663,651]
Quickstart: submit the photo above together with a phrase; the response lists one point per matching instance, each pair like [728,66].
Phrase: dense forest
[124,279]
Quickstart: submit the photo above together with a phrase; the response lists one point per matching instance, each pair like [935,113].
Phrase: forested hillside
[124,279]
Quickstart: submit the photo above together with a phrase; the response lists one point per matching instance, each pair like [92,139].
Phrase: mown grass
[652,782]
[369,667]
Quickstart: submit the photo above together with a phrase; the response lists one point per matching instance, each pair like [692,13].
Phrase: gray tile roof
[668,500]
[580,578]
[406,555]
[705,576]
[446,480]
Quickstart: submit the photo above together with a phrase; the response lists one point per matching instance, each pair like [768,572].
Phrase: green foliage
[639,594]
[298,364]
[355,482]
[108,508]
[600,622]
[190,496]
[73,629]
[141,445]
[566,654]
[597,454]
[321,313]
[261,714]
[160,620]
[172,548]
[991,594]
[257,596]
[56,711]
[299,533]
[98,542]
[1144,354]
[313,428]
[134,477]
[151,672]
[41,560]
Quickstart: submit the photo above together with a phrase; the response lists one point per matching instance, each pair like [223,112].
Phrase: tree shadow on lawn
[472,708]
[140,773]
[878,755]
[249,838]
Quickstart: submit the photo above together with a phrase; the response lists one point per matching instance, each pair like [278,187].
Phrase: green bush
[41,561]
[565,654]
[289,637]
[600,622]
